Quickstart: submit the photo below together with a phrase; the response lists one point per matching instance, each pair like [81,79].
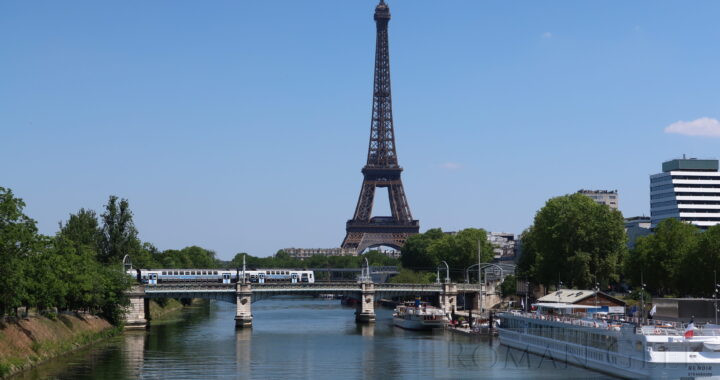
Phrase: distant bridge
[244,294]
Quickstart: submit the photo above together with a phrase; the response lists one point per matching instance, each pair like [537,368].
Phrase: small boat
[419,317]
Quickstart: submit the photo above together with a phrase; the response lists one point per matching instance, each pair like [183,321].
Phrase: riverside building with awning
[584,299]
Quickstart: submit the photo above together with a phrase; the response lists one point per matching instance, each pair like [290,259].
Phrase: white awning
[564,306]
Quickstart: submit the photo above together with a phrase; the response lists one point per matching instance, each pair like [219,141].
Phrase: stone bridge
[244,294]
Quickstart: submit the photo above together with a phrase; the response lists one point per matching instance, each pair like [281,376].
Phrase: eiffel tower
[382,169]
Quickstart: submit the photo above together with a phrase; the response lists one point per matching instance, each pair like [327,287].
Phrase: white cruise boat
[420,317]
[659,351]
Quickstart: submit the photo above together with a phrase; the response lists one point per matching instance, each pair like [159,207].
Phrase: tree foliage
[428,250]
[676,259]
[509,286]
[61,271]
[283,260]
[574,240]
[118,236]
[407,276]
[18,242]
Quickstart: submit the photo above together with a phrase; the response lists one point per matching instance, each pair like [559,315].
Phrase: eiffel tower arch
[382,169]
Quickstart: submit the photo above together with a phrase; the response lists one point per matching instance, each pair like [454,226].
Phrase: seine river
[296,338]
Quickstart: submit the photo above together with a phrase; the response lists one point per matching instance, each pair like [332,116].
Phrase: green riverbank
[26,342]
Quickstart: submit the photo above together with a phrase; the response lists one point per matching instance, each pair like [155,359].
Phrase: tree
[407,276]
[577,241]
[509,286]
[82,229]
[414,254]
[527,263]
[701,265]
[377,258]
[461,250]
[426,251]
[18,240]
[660,257]
[119,236]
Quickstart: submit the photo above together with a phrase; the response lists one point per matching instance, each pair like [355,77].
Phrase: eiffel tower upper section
[381,151]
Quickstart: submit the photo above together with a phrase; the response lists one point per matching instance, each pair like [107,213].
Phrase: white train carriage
[262,276]
[225,276]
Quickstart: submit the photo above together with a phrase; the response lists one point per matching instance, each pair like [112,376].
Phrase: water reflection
[134,352]
[365,330]
[243,351]
[291,338]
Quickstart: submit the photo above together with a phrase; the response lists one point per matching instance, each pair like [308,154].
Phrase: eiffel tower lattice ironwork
[382,169]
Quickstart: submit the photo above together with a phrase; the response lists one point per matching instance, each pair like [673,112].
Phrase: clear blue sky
[243,125]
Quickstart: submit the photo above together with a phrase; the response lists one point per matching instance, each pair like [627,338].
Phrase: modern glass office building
[688,190]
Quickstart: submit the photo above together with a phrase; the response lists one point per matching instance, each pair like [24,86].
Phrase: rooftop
[571,296]
[566,296]
[583,191]
[690,164]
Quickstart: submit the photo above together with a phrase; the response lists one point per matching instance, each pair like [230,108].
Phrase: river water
[296,338]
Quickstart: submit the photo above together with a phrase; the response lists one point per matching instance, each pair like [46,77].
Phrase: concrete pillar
[366,307]
[448,298]
[135,313]
[243,312]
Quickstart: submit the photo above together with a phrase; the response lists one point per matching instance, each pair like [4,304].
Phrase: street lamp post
[715,294]
[597,288]
[467,273]
[559,287]
[447,272]
[642,300]
[527,290]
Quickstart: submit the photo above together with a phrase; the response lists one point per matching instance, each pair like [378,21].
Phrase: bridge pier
[448,298]
[366,307]
[243,311]
[136,314]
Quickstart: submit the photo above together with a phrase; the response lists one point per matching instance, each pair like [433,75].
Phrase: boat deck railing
[658,327]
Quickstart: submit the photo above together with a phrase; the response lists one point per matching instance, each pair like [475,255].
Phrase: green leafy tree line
[579,242]
[281,259]
[80,268]
[678,259]
[64,271]
[425,252]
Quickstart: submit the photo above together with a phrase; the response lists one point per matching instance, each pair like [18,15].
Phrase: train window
[267,272]
[175,273]
[214,272]
[164,273]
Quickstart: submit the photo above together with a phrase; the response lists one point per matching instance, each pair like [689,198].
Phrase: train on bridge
[223,276]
